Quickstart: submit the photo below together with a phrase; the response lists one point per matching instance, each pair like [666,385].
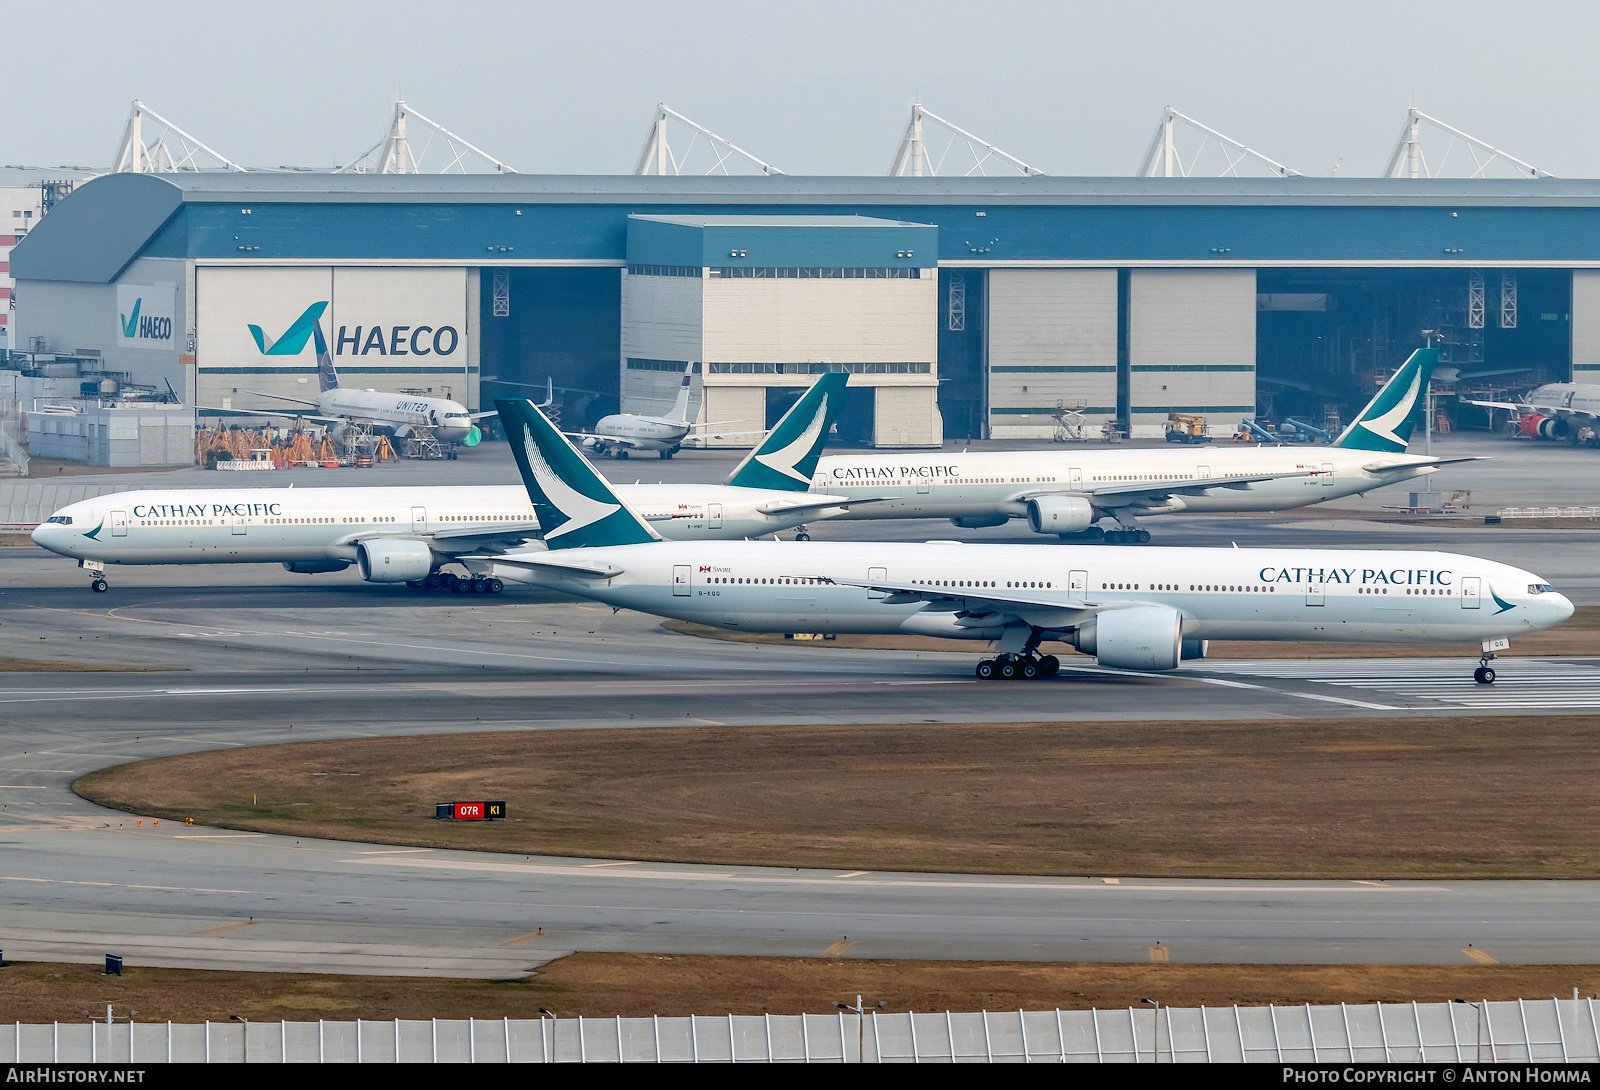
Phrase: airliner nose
[47,535]
[1564,608]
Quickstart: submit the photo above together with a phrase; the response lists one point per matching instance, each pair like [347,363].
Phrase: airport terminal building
[965,307]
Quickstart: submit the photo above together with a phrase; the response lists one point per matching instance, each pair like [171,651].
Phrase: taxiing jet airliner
[1134,609]
[621,434]
[400,534]
[1067,492]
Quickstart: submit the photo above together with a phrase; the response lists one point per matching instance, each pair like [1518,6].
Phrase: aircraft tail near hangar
[327,377]
[574,504]
[787,455]
[1387,422]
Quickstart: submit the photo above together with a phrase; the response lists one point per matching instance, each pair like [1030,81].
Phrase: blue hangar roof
[493,220]
[861,242]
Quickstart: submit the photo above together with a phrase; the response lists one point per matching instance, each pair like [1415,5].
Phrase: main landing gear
[1018,667]
[443,580]
[1127,537]
[1122,535]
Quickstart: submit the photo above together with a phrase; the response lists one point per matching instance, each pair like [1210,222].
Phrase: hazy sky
[814,87]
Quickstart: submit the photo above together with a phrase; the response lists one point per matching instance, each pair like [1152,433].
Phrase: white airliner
[1067,492]
[398,415]
[1144,609]
[1556,410]
[401,534]
[621,434]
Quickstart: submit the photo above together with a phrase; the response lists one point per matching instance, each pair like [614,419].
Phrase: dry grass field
[632,985]
[1463,797]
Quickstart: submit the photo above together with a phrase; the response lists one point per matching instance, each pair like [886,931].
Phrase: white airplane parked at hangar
[1556,410]
[1144,609]
[622,434]
[400,534]
[1067,492]
[397,415]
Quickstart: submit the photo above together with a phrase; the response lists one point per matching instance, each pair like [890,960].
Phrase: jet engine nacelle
[1139,638]
[1060,514]
[394,561]
[314,567]
[1538,426]
[977,522]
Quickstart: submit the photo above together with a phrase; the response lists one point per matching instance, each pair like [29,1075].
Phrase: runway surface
[252,655]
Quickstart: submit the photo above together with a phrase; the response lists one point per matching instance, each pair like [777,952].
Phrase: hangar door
[1586,325]
[1052,341]
[1191,346]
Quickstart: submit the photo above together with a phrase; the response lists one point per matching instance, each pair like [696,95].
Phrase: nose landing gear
[1484,674]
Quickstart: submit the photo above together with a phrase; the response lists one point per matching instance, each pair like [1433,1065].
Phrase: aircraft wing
[1532,407]
[1379,467]
[561,563]
[1159,490]
[804,501]
[509,535]
[485,416]
[291,400]
[283,414]
[1035,609]
[614,440]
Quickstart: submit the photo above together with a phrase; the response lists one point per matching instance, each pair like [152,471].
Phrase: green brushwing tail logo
[787,457]
[130,322]
[1387,422]
[574,505]
[294,339]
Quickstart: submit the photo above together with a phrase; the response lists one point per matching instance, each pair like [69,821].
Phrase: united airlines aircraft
[1068,492]
[1134,609]
[398,415]
[402,534]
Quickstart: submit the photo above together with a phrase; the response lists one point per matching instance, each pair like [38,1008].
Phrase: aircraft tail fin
[680,407]
[574,504]
[787,456]
[327,377]
[1387,422]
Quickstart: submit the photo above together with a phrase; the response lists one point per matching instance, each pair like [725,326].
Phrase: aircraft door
[1327,474]
[922,486]
[119,524]
[714,516]
[1471,592]
[878,575]
[419,519]
[680,580]
[1202,472]
[240,527]
[1314,595]
[1078,583]
[1075,478]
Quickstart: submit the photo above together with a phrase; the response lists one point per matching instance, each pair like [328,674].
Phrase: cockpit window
[1541,588]
[60,520]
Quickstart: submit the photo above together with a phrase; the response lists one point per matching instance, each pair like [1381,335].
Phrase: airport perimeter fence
[1518,1031]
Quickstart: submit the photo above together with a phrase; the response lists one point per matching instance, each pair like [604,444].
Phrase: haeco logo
[147,328]
[393,340]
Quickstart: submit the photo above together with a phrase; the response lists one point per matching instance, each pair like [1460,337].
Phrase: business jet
[401,534]
[1556,410]
[398,415]
[1144,609]
[622,434]
[1068,492]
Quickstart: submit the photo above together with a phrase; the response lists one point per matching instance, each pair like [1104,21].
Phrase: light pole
[861,1025]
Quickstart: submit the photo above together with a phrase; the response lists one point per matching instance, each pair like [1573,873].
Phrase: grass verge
[1458,797]
[632,985]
